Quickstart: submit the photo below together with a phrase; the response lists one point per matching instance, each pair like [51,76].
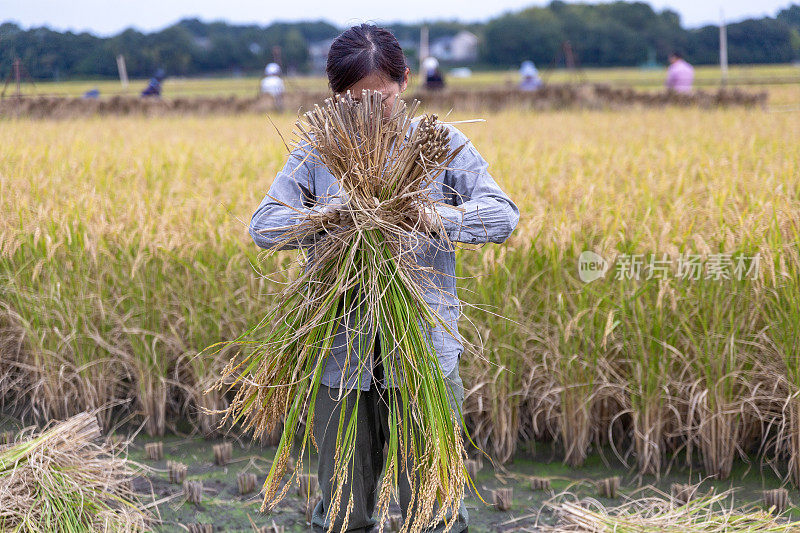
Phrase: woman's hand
[331,212]
[336,203]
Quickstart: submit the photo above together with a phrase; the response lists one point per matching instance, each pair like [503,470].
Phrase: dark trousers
[371,436]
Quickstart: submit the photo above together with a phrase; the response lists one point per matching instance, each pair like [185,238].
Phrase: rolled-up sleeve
[289,200]
[481,212]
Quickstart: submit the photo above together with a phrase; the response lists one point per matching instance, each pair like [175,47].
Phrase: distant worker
[434,79]
[680,74]
[272,84]
[530,77]
[153,88]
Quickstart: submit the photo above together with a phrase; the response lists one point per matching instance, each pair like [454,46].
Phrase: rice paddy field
[124,252]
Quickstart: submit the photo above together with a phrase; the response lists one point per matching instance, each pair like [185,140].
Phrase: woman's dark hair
[360,51]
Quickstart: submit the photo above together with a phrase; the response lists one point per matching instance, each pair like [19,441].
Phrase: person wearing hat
[153,88]
[433,76]
[272,84]
[530,77]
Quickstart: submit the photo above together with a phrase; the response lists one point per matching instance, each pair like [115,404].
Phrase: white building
[459,48]
[318,54]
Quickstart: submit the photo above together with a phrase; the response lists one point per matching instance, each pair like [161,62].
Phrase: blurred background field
[781,81]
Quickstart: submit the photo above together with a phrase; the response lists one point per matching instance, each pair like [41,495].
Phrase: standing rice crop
[653,333]
[493,403]
[363,277]
[718,334]
[779,372]
[580,346]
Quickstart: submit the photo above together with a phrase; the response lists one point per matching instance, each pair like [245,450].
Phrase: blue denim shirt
[485,214]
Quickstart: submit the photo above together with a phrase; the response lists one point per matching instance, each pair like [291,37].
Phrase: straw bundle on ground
[363,277]
[707,514]
[61,480]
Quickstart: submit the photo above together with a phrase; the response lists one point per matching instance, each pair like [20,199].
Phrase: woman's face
[378,82]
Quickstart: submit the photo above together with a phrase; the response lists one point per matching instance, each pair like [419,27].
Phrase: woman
[369,57]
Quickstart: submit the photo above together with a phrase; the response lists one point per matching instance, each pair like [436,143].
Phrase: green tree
[534,34]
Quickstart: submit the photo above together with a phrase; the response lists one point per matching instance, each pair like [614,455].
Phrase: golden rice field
[125,252]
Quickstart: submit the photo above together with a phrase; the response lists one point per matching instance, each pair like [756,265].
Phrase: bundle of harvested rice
[63,480]
[364,277]
[709,513]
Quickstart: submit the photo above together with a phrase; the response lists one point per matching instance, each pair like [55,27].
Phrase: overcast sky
[107,17]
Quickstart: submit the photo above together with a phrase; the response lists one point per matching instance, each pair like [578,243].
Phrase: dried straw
[710,513]
[63,480]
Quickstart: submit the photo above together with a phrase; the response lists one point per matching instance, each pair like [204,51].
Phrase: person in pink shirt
[680,74]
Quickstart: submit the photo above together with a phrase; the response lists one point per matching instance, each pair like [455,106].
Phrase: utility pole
[723,48]
[17,71]
[17,76]
[571,63]
[277,57]
[123,71]
[569,56]
[424,50]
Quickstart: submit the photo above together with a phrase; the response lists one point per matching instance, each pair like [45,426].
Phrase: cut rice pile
[63,480]
[709,513]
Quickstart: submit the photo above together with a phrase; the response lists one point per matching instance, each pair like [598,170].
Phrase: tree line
[609,34]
